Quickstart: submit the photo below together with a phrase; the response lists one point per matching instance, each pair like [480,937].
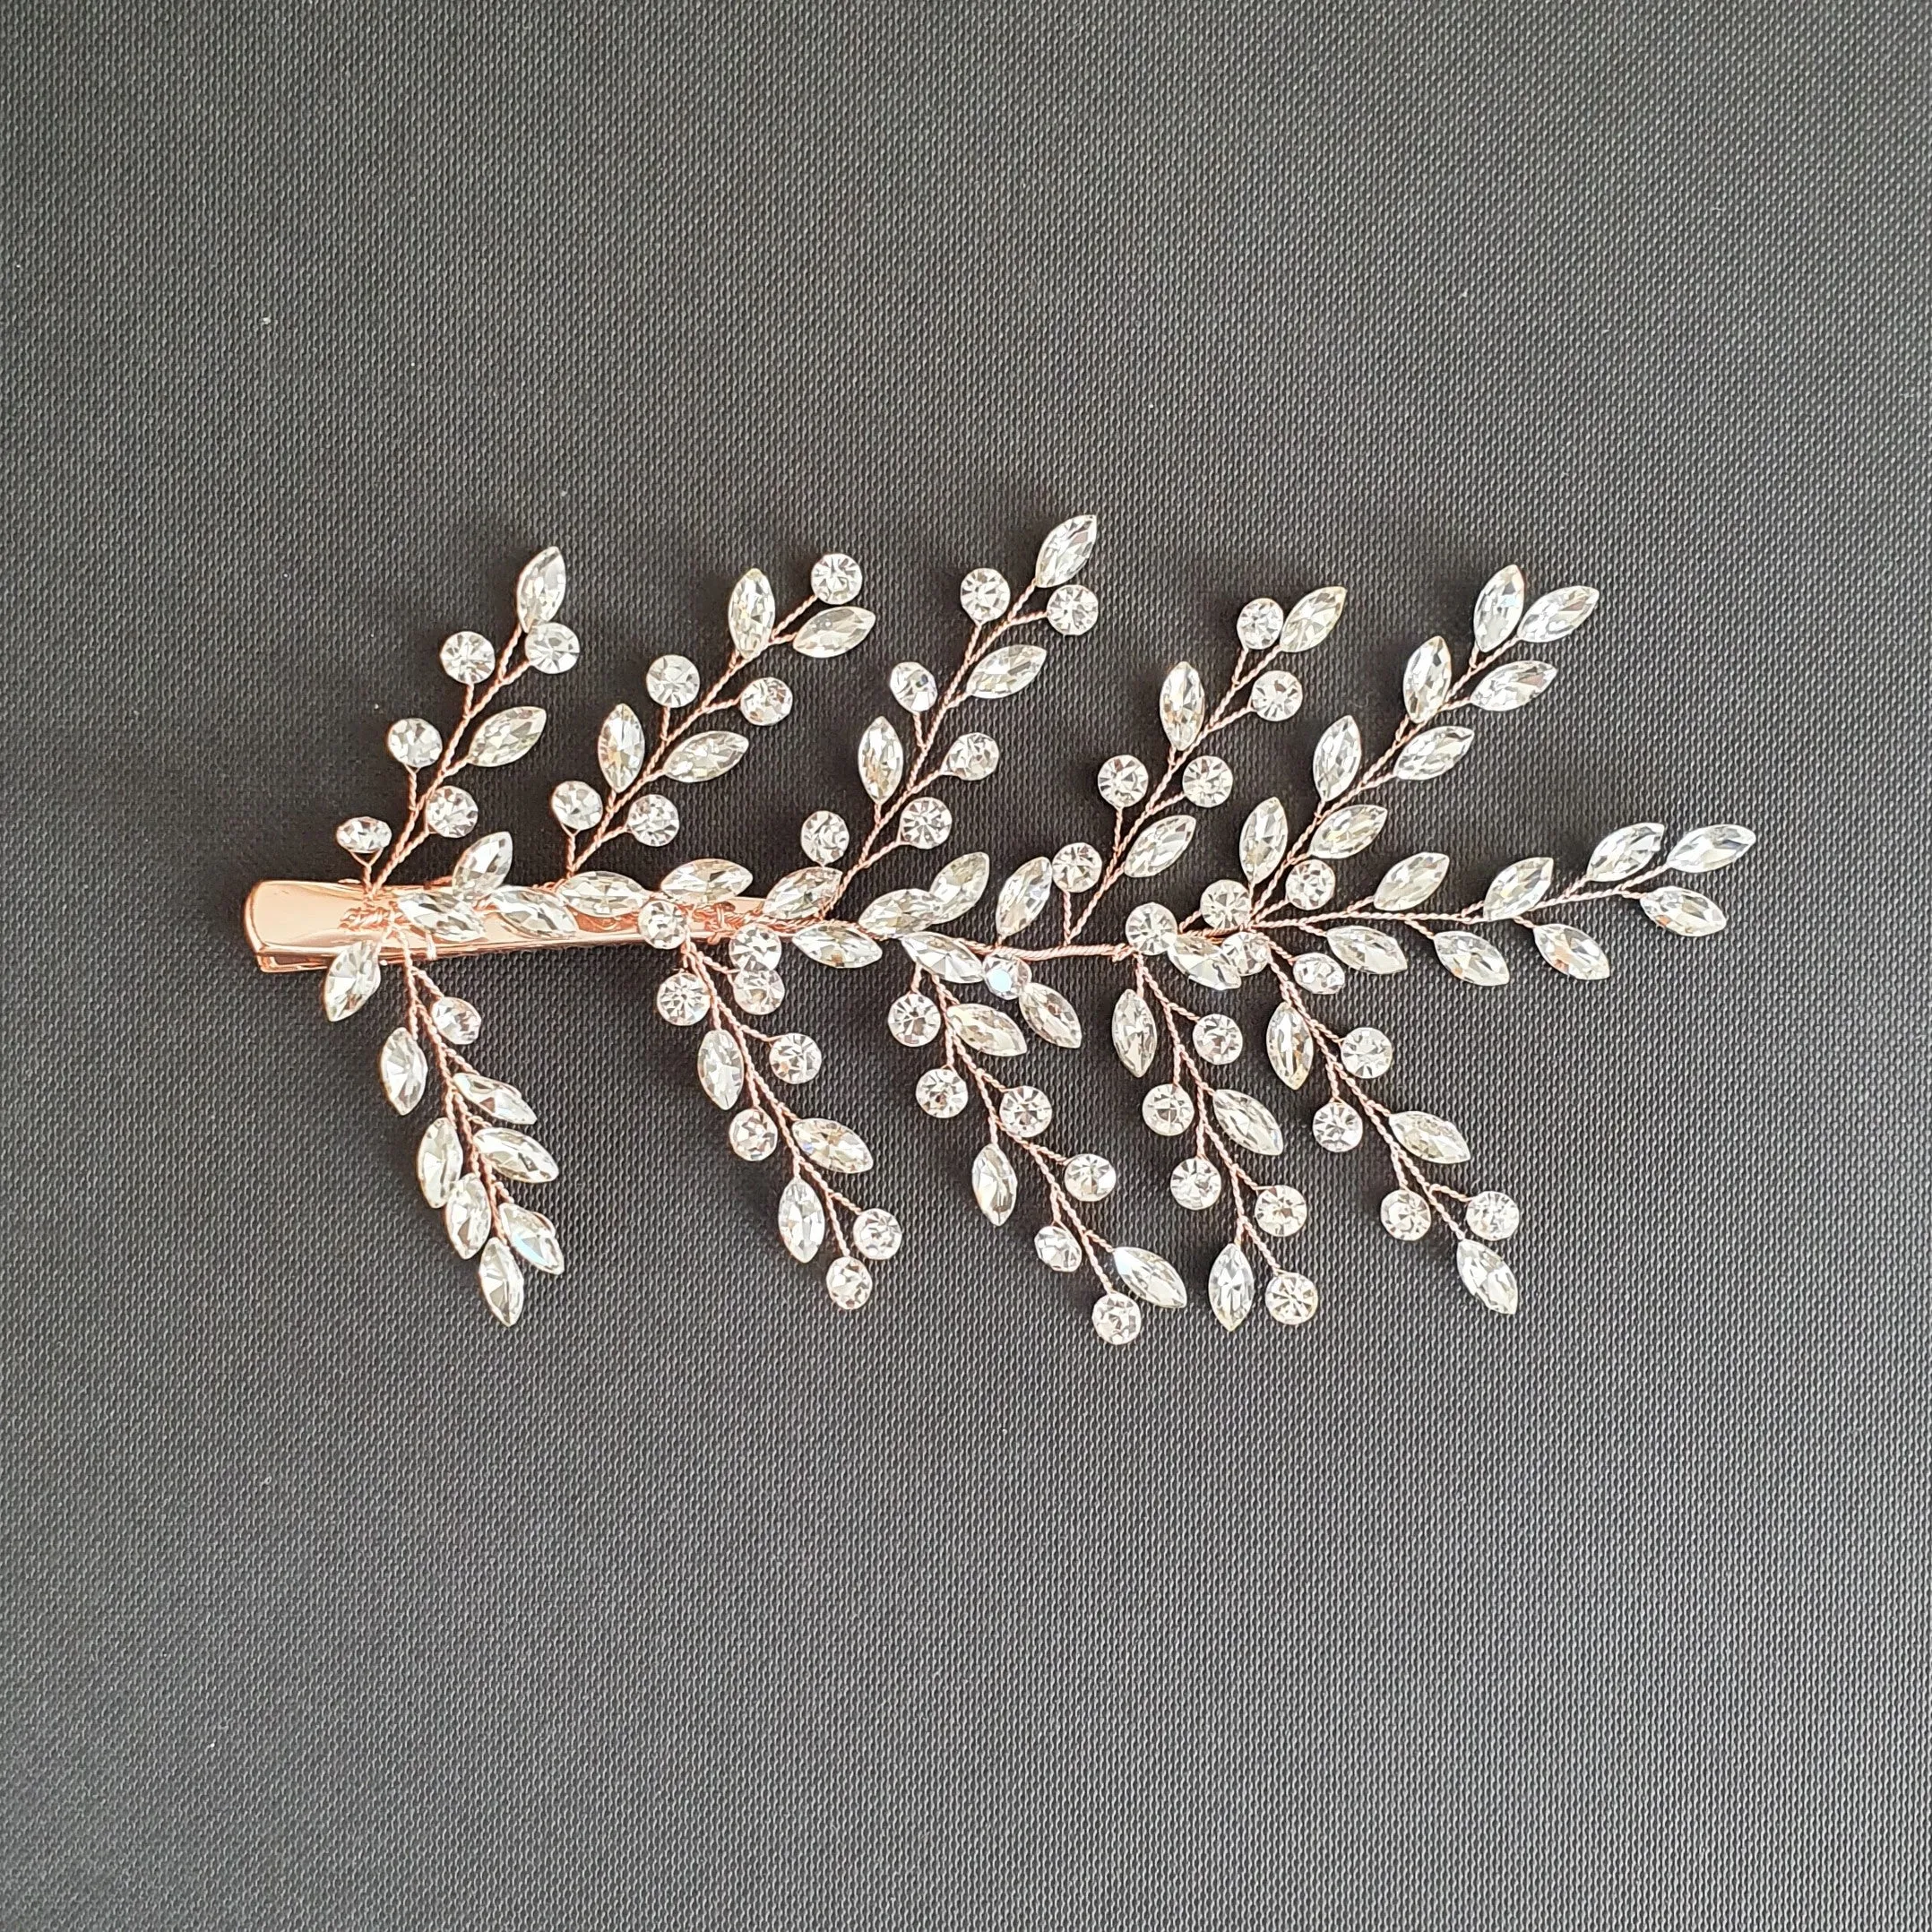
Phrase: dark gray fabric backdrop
[692,1602]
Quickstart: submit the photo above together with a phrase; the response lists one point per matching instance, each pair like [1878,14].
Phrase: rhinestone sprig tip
[978,1010]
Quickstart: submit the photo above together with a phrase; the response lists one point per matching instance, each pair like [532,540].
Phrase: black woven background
[692,1602]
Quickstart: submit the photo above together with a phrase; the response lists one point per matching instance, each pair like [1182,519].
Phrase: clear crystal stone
[452,812]
[439,1160]
[1217,1038]
[350,982]
[1434,753]
[1313,618]
[941,1093]
[601,895]
[673,680]
[414,743]
[1123,781]
[1292,1299]
[1064,550]
[534,914]
[1290,1045]
[1497,607]
[876,1233]
[363,837]
[972,755]
[1426,681]
[912,1019]
[1076,868]
[836,578]
[552,648]
[801,1219]
[704,882]
[827,1143]
[1343,833]
[501,1281]
[882,759]
[620,748]
[1183,705]
[758,989]
[959,884]
[1337,1127]
[1366,950]
[1367,1052]
[1196,1184]
[1337,758]
[506,737]
[1049,1015]
[755,945]
[1280,1211]
[1487,1276]
[995,1184]
[404,1069]
[1276,695]
[663,923]
[802,895]
[517,1154]
[1405,1214]
[1157,845]
[1244,1119]
[708,754]
[926,822]
[1149,928]
[482,867]
[837,942]
[1623,852]
[986,1029]
[1316,973]
[1116,1319]
[1023,897]
[984,595]
[1150,1277]
[1492,1216]
[457,1021]
[1309,885]
[849,1282]
[1411,881]
[1557,614]
[1005,672]
[824,837]
[1710,847]
[1510,686]
[1471,957]
[1572,951]
[1429,1137]
[442,915]
[945,957]
[468,657]
[1072,611]
[914,686]
[1259,624]
[753,1134]
[1207,780]
[1226,903]
[1058,1248]
[1231,1287]
[1006,975]
[682,999]
[533,1236]
[575,806]
[1167,1109]
[721,1069]
[466,1216]
[795,1057]
[540,587]
[1090,1176]
[906,910]
[1247,953]
[1680,910]
[497,1097]
[1025,1111]
[1517,888]
[765,700]
[831,633]
[750,613]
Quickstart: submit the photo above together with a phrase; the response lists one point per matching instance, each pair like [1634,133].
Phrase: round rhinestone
[849,1282]
[575,807]
[758,989]
[1281,1210]
[1058,1247]
[415,742]
[1405,1214]
[1149,928]
[1337,1126]
[1367,1052]
[1217,1038]
[876,1233]
[1076,867]
[984,595]
[1259,624]
[1276,695]
[1025,1111]
[682,1000]
[1007,975]
[942,1094]
[457,1021]
[1493,1216]
[795,1057]
[824,837]
[664,924]
[926,822]
[552,648]
[1123,781]
[1072,611]
[915,686]
[755,945]
[452,812]
[1309,884]
[972,755]
[1207,780]
[652,820]
[673,680]
[468,657]
[764,701]
[1316,973]
[1292,1299]
[365,837]
[753,1134]
[1196,1184]
[1167,1109]
[1226,903]
[913,1020]
[836,578]
[1117,1318]
[1090,1176]
[1247,952]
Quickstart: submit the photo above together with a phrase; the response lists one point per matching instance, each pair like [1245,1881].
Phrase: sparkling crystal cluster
[1224,1087]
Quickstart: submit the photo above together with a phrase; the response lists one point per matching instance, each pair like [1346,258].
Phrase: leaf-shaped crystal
[994,1186]
[837,942]
[1366,950]
[1183,706]
[1144,1273]
[620,748]
[1557,614]
[972,755]
[501,1281]
[440,915]
[601,895]
[1572,951]
[439,1160]
[1411,881]
[1264,840]
[882,760]
[1023,897]
[1063,554]
[1515,889]
[801,1219]
[1231,1287]
[825,1143]
[1049,1014]
[1157,845]
[466,1216]
[1290,1045]
[720,1068]
[1006,670]
[518,1155]
[1244,1119]
[482,867]
[1498,606]
[986,1029]
[1135,1037]
[533,1236]
[751,613]
[352,978]
[1510,686]
[1313,618]
[1426,680]
[953,960]
[802,895]
[1429,1137]
[507,737]
[831,633]
[1487,1276]
[1470,957]
[905,910]
[1677,909]
[1710,847]
[497,1097]
[708,754]
[1433,753]
[539,588]
[957,885]
[1343,833]
[405,1069]
[536,915]
[1625,852]
[1203,960]
[1337,758]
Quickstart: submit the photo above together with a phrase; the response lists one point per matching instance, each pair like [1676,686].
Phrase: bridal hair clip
[980,1010]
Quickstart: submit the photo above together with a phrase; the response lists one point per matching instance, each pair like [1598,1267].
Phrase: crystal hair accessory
[981,1011]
